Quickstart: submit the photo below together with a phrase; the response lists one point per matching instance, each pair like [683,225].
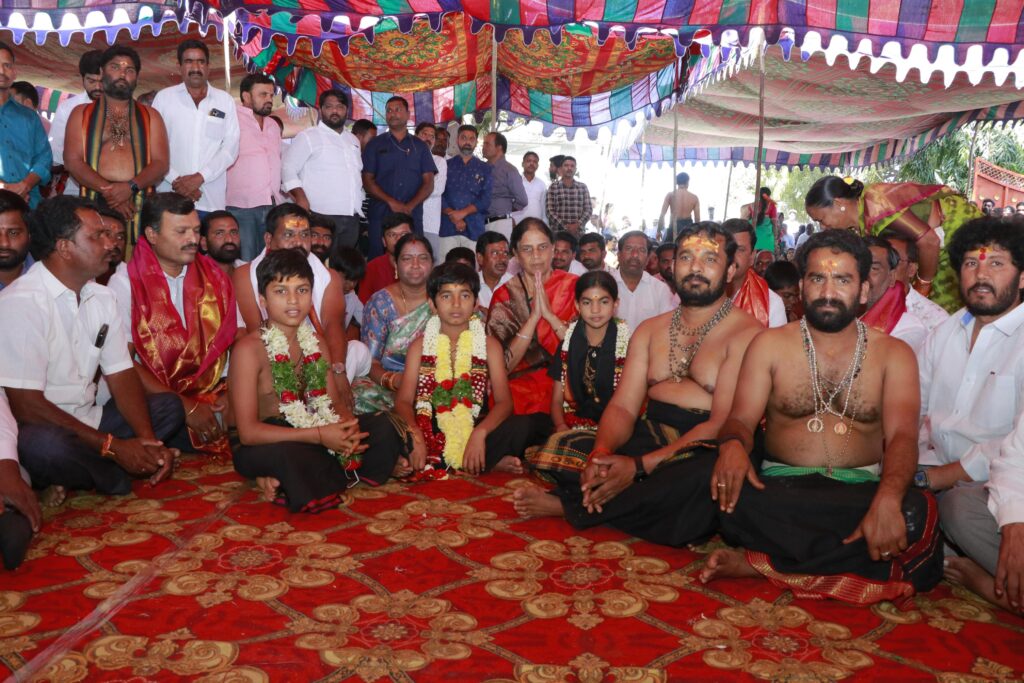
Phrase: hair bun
[856,186]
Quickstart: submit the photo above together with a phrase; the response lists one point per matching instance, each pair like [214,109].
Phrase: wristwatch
[641,473]
[921,480]
[338,368]
[134,186]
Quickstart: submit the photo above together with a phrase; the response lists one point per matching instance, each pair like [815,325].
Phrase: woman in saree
[764,217]
[392,319]
[530,314]
[912,210]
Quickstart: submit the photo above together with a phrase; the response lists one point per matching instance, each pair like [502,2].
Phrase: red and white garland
[451,393]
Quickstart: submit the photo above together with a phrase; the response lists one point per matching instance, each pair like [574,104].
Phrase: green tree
[947,161]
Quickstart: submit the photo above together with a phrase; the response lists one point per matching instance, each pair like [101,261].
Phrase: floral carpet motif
[199,580]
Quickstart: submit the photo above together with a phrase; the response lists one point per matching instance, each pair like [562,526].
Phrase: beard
[828,321]
[320,250]
[691,298]
[1004,300]
[265,109]
[119,89]
[334,122]
[12,258]
[225,253]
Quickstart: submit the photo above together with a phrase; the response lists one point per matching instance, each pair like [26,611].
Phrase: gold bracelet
[923,281]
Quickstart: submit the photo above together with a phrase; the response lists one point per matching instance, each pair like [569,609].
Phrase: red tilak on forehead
[981,254]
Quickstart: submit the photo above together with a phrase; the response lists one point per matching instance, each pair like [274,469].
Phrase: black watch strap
[641,473]
[134,187]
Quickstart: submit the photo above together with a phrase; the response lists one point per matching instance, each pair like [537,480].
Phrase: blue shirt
[24,268]
[398,167]
[468,183]
[24,147]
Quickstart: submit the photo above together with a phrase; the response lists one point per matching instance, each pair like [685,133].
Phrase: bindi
[981,254]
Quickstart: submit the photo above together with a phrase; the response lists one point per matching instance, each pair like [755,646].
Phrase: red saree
[529,382]
[189,358]
[888,310]
[752,297]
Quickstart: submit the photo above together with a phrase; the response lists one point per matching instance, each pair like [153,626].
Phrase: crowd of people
[198,286]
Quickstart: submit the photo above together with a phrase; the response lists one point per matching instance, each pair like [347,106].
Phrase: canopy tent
[846,114]
[591,64]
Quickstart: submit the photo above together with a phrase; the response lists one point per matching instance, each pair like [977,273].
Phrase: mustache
[979,285]
[821,303]
[696,278]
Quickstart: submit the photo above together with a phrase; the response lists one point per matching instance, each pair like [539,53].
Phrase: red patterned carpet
[198,580]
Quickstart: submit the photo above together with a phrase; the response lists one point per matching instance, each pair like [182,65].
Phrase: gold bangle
[923,281]
[319,438]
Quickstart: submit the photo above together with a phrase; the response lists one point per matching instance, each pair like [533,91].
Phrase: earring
[396,272]
[842,208]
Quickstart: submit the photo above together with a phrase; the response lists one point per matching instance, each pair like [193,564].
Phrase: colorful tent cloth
[67,18]
[990,23]
[870,117]
[577,84]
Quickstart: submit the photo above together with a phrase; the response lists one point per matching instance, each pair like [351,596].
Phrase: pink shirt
[255,177]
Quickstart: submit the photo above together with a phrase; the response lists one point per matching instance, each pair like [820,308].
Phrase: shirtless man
[839,398]
[683,207]
[117,169]
[688,393]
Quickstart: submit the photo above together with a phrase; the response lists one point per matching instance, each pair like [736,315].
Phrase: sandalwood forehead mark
[293,222]
[696,242]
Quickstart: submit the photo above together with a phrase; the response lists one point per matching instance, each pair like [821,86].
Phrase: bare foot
[510,464]
[402,468]
[973,577]
[531,501]
[53,496]
[727,564]
[269,486]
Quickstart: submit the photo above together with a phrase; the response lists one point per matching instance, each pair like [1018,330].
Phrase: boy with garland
[299,441]
[443,396]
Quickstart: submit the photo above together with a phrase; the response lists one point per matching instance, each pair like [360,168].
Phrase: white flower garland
[317,411]
[622,335]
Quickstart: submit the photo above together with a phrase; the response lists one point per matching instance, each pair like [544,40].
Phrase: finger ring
[721,486]
[886,555]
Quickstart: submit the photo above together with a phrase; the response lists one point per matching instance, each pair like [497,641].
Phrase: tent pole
[760,136]
[227,57]
[970,161]
[675,149]
[728,191]
[494,79]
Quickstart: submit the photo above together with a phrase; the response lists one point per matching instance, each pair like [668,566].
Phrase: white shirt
[353,309]
[432,204]
[121,285]
[8,430]
[929,312]
[910,329]
[972,399]
[58,129]
[651,298]
[202,139]
[483,300]
[536,192]
[52,347]
[1006,482]
[776,309]
[328,166]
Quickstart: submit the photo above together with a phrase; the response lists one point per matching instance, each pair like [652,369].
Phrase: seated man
[287,228]
[972,384]
[839,398]
[20,516]
[68,329]
[748,290]
[382,271]
[179,314]
[299,441]
[475,438]
[886,309]
[350,265]
[930,313]
[684,367]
